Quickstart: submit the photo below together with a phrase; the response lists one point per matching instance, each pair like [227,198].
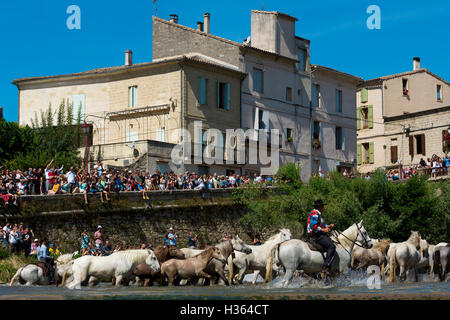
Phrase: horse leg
[119,279]
[287,278]
[256,274]
[402,274]
[222,276]
[146,282]
[92,281]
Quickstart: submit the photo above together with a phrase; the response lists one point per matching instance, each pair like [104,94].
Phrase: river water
[351,287]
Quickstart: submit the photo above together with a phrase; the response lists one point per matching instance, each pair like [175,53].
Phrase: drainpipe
[311,123]
[181,115]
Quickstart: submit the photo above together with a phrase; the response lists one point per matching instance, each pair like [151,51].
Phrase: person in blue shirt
[172,238]
[45,258]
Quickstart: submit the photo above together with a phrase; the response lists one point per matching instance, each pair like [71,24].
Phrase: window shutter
[359,154]
[364,95]
[130,97]
[266,120]
[394,154]
[342,139]
[202,91]
[227,97]
[372,152]
[78,104]
[256,122]
[358,118]
[411,146]
[423,144]
[218,94]
[370,109]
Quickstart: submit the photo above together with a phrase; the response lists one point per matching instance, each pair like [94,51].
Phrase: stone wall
[130,220]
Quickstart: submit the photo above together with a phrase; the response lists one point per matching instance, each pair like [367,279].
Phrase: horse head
[239,245]
[152,261]
[175,253]
[363,236]
[415,238]
[218,255]
[285,235]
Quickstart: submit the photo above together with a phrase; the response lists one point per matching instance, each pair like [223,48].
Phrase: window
[132,95]
[78,107]
[339,138]
[338,100]
[405,87]
[365,153]
[258,80]
[288,94]
[301,55]
[438,92]
[289,135]
[420,144]
[316,95]
[365,117]
[261,119]
[223,95]
[202,91]
[394,154]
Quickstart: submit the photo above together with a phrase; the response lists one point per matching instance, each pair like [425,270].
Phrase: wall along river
[352,287]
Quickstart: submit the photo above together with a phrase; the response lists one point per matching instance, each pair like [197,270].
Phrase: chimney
[200,26]
[207,23]
[128,58]
[174,18]
[416,64]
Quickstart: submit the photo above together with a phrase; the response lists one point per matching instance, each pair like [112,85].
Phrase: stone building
[401,118]
[135,110]
[281,91]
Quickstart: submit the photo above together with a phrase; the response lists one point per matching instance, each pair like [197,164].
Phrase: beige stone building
[401,118]
[282,90]
[136,110]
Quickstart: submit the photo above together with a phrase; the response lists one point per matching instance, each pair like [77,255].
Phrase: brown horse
[374,256]
[192,268]
[146,274]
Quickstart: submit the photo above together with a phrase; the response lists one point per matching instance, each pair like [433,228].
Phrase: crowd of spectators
[434,167]
[54,180]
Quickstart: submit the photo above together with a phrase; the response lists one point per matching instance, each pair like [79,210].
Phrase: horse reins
[354,242]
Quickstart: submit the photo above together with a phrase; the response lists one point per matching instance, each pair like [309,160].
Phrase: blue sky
[36,42]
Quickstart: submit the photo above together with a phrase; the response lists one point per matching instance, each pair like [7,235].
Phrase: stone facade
[401,109]
[281,98]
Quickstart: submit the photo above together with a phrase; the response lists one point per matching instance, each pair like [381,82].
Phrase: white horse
[257,260]
[424,251]
[406,255]
[30,274]
[296,255]
[119,265]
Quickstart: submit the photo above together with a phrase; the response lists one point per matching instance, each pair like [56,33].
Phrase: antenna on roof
[155,2]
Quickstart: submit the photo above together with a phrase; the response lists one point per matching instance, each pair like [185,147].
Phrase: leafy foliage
[26,147]
[389,210]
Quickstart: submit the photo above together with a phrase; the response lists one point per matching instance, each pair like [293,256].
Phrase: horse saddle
[314,246]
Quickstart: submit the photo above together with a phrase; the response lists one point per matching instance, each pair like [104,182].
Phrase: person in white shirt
[71,179]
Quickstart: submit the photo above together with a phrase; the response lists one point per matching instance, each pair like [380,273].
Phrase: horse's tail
[230,269]
[15,279]
[435,261]
[269,263]
[392,265]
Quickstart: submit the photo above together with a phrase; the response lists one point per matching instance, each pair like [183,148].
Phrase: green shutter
[370,109]
[364,95]
[227,96]
[358,118]
[358,153]
[371,153]
[202,91]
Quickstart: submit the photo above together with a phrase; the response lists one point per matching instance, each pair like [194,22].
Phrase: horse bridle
[366,242]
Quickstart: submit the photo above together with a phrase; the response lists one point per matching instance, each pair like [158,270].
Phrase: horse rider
[317,231]
[46,259]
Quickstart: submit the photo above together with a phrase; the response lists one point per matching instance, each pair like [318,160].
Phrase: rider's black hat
[318,203]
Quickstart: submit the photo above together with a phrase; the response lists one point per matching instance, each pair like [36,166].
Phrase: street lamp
[87,129]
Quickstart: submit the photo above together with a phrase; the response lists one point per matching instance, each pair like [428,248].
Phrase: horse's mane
[276,235]
[132,254]
[414,237]
[65,258]
[206,252]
